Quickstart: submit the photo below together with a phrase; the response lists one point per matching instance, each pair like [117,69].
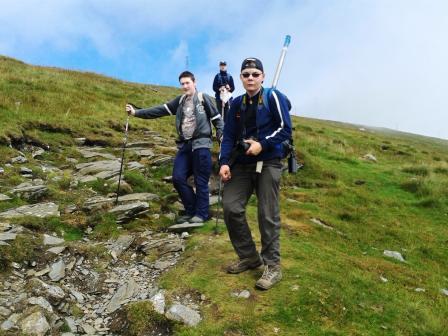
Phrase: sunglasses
[253,74]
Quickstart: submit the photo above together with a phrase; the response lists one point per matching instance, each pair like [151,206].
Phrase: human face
[223,67]
[252,83]
[188,86]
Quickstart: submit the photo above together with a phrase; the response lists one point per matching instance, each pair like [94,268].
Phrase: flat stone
[394,254]
[134,165]
[121,244]
[161,265]
[138,197]
[185,226]
[184,314]
[126,212]
[7,236]
[40,301]
[126,291]
[5,226]
[57,270]
[71,323]
[53,294]
[30,190]
[88,153]
[37,210]
[158,301]
[97,203]
[25,170]
[4,197]
[370,157]
[19,159]
[38,153]
[35,324]
[78,296]
[444,291]
[4,311]
[10,322]
[56,250]
[51,240]
[144,152]
[95,167]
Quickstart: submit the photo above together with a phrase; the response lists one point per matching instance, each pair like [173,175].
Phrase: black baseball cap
[252,63]
[222,63]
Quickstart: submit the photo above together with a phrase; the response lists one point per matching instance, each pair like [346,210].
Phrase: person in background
[223,85]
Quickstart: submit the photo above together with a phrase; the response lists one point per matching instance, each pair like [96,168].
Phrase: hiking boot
[271,275]
[183,219]
[244,265]
[196,220]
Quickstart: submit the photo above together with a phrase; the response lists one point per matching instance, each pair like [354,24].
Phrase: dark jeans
[236,194]
[199,164]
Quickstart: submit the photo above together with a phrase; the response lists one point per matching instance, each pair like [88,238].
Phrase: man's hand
[130,109]
[224,172]
[255,147]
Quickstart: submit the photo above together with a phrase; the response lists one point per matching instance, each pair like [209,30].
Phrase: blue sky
[371,62]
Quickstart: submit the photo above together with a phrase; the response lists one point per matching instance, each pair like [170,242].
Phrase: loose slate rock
[19,159]
[57,270]
[184,226]
[181,313]
[126,212]
[36,210]
[35,324]
[4,197]
[51,240]
[158,301]
[4,236]
[394,254]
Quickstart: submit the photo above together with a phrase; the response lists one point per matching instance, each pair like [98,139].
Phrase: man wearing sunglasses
[194,113]
[256,125]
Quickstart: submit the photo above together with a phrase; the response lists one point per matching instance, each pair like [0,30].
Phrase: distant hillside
[361,193]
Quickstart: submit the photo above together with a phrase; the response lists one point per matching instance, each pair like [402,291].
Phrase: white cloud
[375,62]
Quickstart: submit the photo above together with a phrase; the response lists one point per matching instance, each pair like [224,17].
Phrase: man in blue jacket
[194,112]
[223,82]
[256,125]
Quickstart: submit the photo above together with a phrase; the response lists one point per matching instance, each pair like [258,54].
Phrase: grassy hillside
[336,279]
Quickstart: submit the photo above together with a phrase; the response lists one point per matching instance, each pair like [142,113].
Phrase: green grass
[331,283]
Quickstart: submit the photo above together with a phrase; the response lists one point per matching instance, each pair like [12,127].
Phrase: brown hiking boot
[244,265]
[271,275]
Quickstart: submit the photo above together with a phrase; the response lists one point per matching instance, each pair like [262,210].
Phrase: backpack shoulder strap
[267,92]
[201,97]
[201,101]
[182,98]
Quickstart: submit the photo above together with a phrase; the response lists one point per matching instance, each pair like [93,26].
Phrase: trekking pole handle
[280,62]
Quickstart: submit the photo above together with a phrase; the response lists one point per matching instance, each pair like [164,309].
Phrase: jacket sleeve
[216,84]
[215,117]
[167,109]
[231,84]
[278,105]
[230,132]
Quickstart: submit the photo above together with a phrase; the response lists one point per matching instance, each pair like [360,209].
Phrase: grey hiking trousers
[237,191]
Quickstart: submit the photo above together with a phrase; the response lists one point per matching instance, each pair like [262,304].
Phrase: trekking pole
[218,207]
[280,61]
[293,165]
[122,156]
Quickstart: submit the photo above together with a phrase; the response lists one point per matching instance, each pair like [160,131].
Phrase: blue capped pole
[280,62]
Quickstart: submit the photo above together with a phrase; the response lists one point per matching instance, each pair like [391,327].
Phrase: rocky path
[82,287]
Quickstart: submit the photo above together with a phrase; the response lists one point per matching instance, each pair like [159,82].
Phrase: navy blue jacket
[221,79]
[273,127]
